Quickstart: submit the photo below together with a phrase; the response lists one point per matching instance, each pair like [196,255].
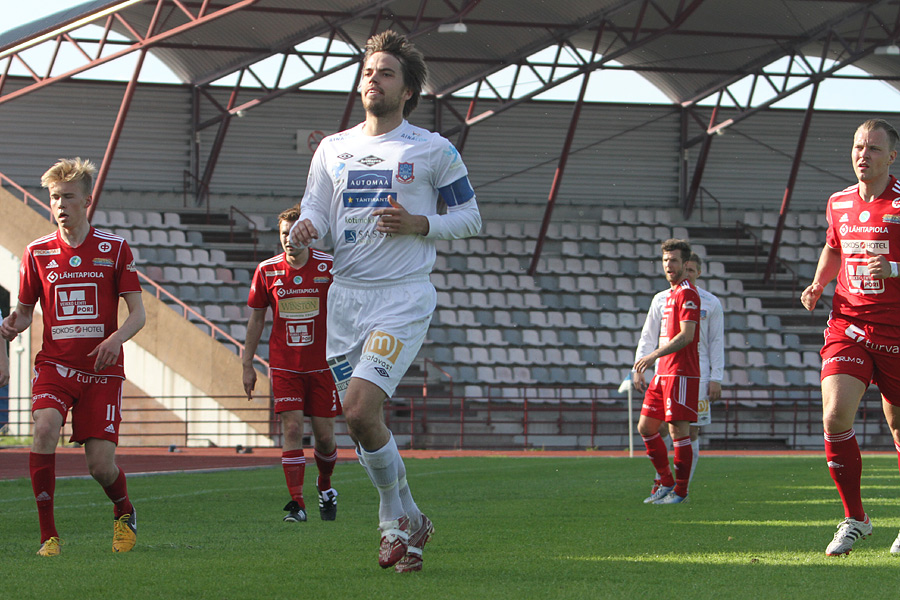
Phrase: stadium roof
[690,49]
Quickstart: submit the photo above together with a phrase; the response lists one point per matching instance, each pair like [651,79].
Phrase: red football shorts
[672,398]
[313,393]
[871,353]
[95,400]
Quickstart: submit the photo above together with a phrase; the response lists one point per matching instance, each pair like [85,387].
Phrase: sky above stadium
[608,85]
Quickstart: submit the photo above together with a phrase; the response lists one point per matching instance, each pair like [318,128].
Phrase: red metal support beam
[687,206]
[772,264]
[116,134]
[563,161]
[142,43]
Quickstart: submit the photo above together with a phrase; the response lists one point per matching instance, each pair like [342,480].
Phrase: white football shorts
[378,327]
[703,414]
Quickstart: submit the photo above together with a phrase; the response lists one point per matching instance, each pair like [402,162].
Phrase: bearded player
[295,285]
[862,249]
[672,395]
[78,275]
[376,187]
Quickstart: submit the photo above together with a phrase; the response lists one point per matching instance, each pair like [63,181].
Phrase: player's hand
[396,220]
[106,353]
[249,380]
[303,234]
[811,295]
[878,265]
[637,380]
[8,328]
[715,391]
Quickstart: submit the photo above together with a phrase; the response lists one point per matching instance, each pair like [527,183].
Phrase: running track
[70,461]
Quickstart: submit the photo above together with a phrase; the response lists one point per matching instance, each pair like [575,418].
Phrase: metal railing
[504,418]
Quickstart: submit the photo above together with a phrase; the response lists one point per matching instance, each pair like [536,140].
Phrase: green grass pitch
[506,528]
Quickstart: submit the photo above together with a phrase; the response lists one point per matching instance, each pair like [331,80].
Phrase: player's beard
[382,106]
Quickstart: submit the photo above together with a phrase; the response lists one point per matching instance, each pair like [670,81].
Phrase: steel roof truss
[156,33]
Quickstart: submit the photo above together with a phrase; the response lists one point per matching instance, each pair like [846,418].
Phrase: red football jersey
[854,227]
[298,298]
[79,291]
[682,304]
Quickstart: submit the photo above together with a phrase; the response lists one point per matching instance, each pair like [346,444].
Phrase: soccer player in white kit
[711,349]
[376,188]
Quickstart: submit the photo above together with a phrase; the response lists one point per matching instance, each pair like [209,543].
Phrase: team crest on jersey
[370,161]
[104,246]
[405,172]
[75,261]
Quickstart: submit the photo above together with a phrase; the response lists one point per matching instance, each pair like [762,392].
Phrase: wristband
[895,269]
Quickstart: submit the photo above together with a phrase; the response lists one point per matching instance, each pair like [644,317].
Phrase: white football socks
[382,466]
[695,445]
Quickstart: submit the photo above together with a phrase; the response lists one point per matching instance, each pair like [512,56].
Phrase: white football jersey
[353,174]
[710,347]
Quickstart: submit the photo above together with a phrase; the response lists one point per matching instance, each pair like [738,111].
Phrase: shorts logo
[104,246]
[110,428]
[341,371]
[299,333]
[382,372]
[383,349]
[405,172]
[75,261]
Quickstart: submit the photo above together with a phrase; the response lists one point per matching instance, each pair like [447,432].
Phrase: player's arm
[827,269]
[716,348]
[255,325]
[682,339]
[649,339]
[18,321]
[107,352]
[4,364]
